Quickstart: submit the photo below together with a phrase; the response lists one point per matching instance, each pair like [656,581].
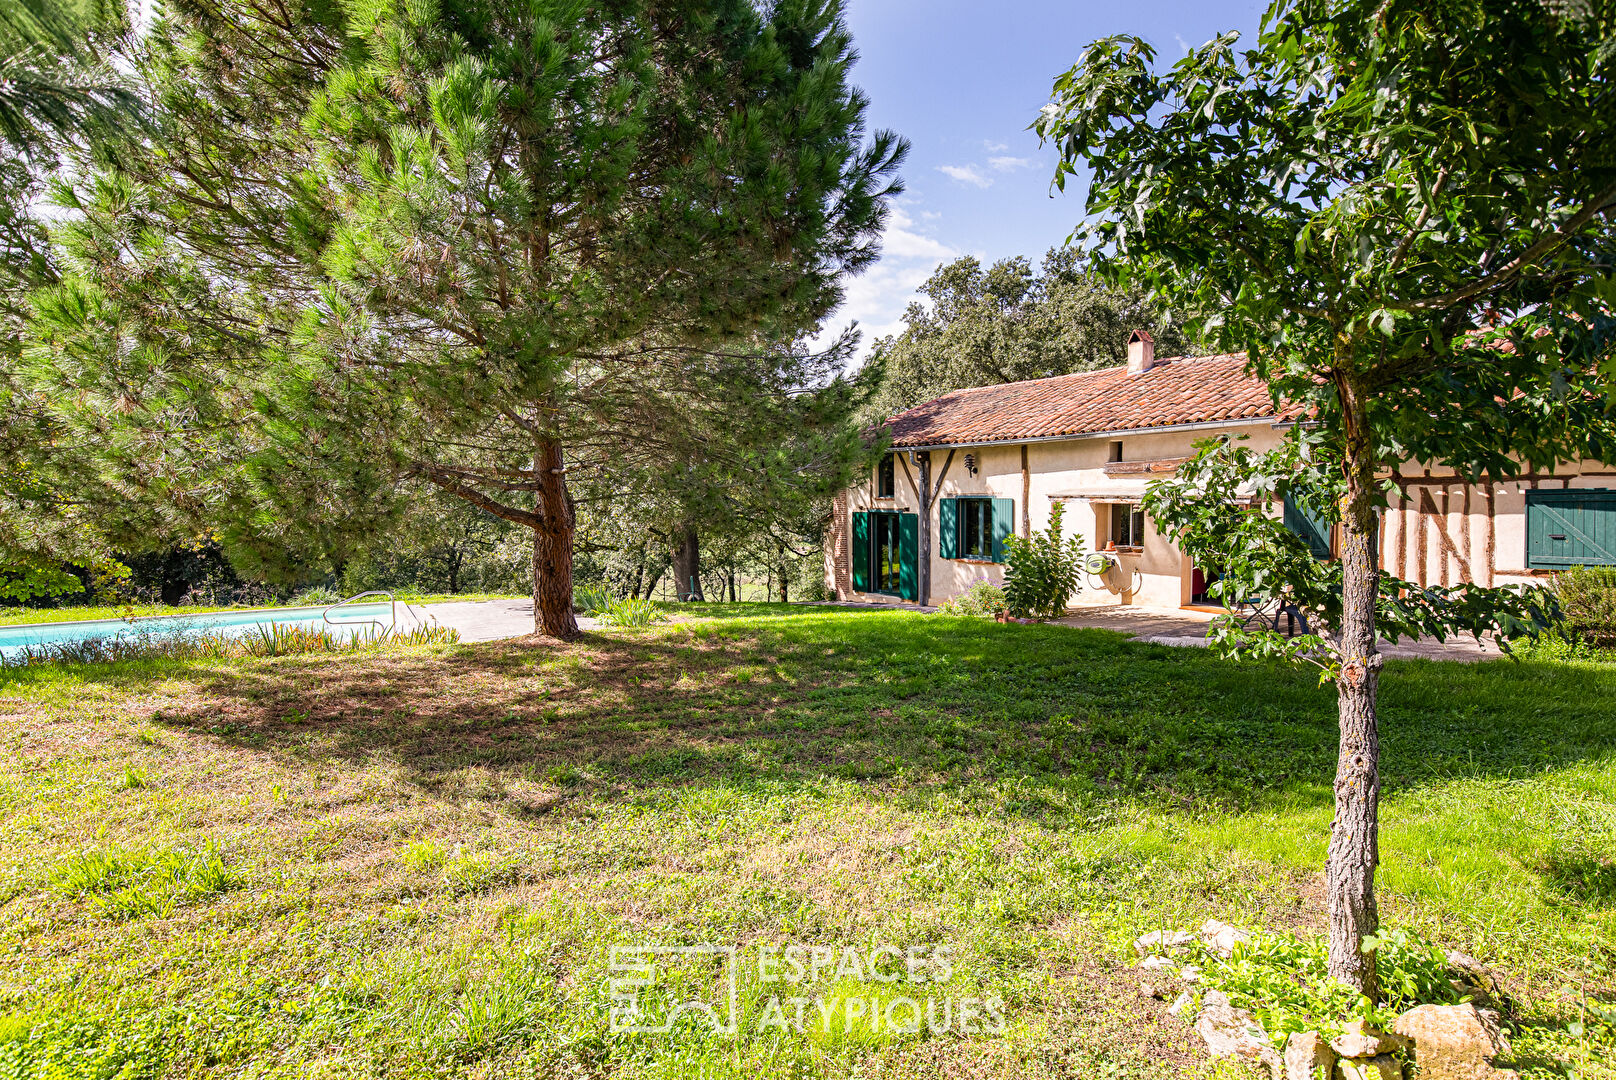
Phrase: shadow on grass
[1049,720]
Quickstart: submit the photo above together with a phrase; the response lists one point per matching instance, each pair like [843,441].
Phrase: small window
[1116,451]
[886,482]
[1127,525]
[976,528]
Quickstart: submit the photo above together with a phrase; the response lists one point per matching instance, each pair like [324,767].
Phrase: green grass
[414,862]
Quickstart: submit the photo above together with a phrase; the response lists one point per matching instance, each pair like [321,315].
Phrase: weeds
[127,885]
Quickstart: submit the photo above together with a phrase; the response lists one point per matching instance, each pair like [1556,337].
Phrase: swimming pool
[345,621]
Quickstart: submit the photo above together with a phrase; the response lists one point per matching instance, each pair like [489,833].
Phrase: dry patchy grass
[428,853]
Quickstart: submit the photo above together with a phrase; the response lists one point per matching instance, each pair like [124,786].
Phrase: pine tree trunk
[639,572]
[552,546]
[1355,832]
[687,565]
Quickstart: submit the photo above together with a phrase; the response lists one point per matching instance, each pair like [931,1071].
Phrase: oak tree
[1400,211]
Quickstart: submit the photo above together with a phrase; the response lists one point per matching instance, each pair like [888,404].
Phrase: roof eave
[1203,425]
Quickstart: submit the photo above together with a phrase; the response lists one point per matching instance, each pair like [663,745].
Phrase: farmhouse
[975,465]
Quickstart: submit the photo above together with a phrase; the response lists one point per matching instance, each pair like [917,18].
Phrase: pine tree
[491,245]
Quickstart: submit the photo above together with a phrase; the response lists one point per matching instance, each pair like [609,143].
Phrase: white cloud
[877,298]
[1006,164]
[994,147]
[965,174]
[1182,44]
[900,240]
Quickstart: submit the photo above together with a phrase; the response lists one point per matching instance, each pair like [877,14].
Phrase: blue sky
[962,80]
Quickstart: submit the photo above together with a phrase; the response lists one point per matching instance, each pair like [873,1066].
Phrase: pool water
[354,619]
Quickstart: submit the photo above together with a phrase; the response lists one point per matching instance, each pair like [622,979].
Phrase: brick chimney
[1141,352]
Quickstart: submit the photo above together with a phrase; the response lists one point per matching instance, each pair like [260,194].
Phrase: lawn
[415,862]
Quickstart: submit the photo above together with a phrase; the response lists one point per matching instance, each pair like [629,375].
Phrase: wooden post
[923,556]
[1026,496]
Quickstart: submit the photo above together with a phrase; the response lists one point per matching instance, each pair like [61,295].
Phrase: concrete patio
[494,620]
[1188,626]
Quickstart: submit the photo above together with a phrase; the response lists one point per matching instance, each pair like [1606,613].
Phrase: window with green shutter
[975,538]
[908,556]
[1571,527]
[1004,523]
[947,528]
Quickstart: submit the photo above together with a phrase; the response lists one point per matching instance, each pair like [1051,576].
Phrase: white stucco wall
[1432,536]
[1445,532]
[1072,471]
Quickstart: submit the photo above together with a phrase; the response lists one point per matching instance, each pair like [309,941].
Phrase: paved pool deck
[489,620]
[495,620]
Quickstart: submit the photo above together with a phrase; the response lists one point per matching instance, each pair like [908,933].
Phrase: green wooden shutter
[861,552]
[1574,527]
[1004,523]
[909,556]
[948,528]
[1310,527]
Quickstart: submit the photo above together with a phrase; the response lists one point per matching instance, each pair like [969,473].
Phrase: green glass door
[886,546]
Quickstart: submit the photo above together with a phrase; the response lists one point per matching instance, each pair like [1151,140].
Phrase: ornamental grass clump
[1041,571]
[631,612]
[591,600]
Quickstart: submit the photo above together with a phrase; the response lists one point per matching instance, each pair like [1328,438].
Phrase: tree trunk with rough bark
[687,565]
[552,546]
[785,592]
[1355,833]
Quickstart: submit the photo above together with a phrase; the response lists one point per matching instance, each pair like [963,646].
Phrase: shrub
[631,611]
[318,596]
[984,600]
[1041,571]
[591,599]
[1587,596]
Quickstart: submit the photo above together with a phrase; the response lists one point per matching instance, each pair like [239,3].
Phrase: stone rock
[1379,1067]
[1162,941]
[1455,1042]
[1149,990]
[1470,977]
[1231,1032]
[1190,973]
[1359,1040]
[1180,1003]
[1221,937]
[1156,962]
[1306,1053]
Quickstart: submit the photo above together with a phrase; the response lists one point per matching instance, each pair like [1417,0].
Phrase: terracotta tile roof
[1184,390]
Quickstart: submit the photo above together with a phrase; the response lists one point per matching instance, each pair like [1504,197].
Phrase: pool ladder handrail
[325,615]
